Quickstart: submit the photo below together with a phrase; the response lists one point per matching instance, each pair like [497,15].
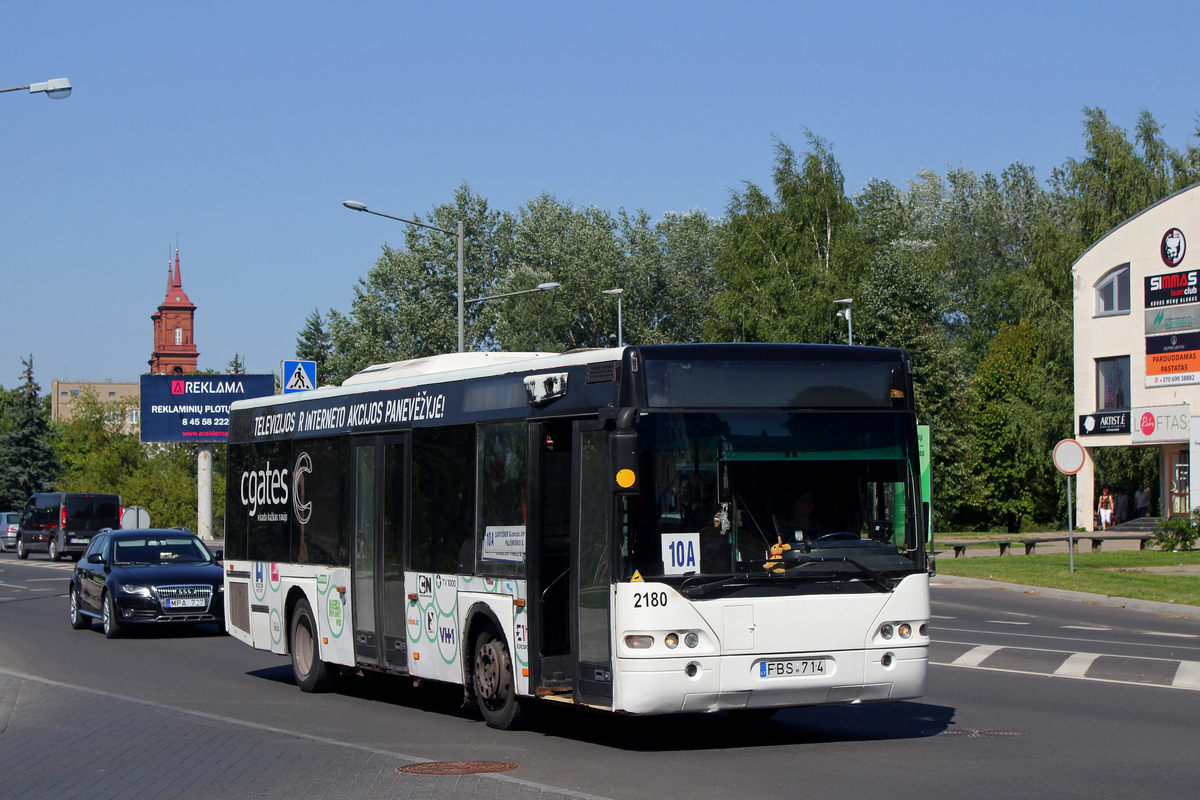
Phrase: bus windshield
[826,495]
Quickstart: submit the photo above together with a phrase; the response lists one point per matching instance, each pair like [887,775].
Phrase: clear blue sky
[237,129]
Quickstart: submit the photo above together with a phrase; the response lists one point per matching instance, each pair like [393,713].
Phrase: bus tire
[495,688]
[311,673]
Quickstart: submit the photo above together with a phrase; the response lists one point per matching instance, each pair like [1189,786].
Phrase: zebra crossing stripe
[1076,665]
[975,656]
[1188,675]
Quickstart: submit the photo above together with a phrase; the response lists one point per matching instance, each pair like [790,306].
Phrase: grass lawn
[1116,574]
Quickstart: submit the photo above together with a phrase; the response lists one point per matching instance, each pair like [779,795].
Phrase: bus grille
[239,605]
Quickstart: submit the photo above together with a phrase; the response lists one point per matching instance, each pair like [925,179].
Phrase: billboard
[1173,359]
[195,408]
[1161,424]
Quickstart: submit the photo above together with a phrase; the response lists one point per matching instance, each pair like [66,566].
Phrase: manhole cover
[973,733]
[456,767]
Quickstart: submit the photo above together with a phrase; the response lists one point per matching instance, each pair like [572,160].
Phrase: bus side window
[443,497]
[503,507]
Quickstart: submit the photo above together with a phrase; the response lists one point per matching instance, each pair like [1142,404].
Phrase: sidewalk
[1170,609]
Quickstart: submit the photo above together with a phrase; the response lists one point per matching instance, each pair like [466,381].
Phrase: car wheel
[22,553]
[312,674]
[52,550]
[495,690]
[79,620]
[108,617]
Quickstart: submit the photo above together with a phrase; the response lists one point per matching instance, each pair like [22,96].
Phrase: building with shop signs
[1137,348]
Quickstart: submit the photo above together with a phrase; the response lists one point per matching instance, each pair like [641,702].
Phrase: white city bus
[649,530]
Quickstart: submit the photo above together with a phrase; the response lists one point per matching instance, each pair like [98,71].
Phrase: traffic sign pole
[1069,458]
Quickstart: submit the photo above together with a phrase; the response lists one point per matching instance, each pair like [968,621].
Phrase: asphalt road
[1027,696]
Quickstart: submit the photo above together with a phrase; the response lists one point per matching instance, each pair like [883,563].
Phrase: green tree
[97,453]
[784,260]
[314,343]
[28,462]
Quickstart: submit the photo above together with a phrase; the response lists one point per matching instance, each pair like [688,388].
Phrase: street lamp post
[845,312]
[354,205]
[617,292]
[56,89]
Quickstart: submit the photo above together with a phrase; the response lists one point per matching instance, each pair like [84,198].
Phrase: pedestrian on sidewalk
[1122,510]
[1141,501]
[1106,509]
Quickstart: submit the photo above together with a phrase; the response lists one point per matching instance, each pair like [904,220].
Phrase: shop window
[1112,383]
[1112,292]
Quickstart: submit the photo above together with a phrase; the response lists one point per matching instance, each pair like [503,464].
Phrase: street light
[845,312]
[541,287]
[354,205]
[56,89]
[617,292]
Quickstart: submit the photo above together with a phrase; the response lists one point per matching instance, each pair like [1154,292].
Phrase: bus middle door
[380,481]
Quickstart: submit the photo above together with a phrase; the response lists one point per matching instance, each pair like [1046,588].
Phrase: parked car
[9,522]
[63,523]
[150,576]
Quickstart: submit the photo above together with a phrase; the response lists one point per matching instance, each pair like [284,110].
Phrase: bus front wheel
[495,689]
[312,674]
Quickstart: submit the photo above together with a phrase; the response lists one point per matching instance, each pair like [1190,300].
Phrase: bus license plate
[788,668]
[184,602]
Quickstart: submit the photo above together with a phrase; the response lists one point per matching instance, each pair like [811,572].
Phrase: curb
[1066,594]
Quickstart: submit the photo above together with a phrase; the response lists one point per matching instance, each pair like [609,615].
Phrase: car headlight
[220,587]
[140,591]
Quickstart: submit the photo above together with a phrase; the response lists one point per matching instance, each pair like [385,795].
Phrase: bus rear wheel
[495,689]
[312,674]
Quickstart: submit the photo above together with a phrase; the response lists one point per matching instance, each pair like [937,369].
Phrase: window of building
[179,331]
[1112,383]
[1112,292]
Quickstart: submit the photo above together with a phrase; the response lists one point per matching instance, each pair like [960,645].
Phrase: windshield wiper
[696,589]
[874,578]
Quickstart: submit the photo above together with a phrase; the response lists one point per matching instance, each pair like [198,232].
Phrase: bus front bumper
[717,683]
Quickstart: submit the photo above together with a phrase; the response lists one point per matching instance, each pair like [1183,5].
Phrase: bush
[1178,533]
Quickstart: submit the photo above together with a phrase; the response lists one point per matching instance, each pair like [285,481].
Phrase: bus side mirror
[623,460]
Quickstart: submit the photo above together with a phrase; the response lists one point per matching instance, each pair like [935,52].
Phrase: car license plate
[791,667]
[184,602]
[79,541]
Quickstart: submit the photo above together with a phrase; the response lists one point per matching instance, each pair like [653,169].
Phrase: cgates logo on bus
[264,490]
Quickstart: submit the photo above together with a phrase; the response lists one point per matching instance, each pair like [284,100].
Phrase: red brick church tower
[174,346]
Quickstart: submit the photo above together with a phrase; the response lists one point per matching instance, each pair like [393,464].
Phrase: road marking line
[14,586]
[975,656]
[43,580]
[1188,675]
[1176,635]
[1076,665]
[939,616]
[1083,628]
[1005,622]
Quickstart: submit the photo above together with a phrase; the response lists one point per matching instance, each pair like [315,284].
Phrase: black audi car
[152,576]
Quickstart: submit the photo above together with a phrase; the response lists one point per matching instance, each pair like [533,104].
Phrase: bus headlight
[905,630]
[671,640]
[639,642]
[886,631]
[691,640]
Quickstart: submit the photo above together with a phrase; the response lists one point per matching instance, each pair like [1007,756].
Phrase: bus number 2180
[649,599]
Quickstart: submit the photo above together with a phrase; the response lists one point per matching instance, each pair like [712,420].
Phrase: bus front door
[378,601]
[591,570]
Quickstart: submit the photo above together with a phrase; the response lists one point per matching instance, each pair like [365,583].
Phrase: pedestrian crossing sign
[299,376]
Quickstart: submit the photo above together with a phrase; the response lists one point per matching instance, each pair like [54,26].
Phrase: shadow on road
[667,733]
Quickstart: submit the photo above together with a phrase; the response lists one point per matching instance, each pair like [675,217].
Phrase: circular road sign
[1068,456]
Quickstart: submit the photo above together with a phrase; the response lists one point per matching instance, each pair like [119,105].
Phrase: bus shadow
[810,725]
